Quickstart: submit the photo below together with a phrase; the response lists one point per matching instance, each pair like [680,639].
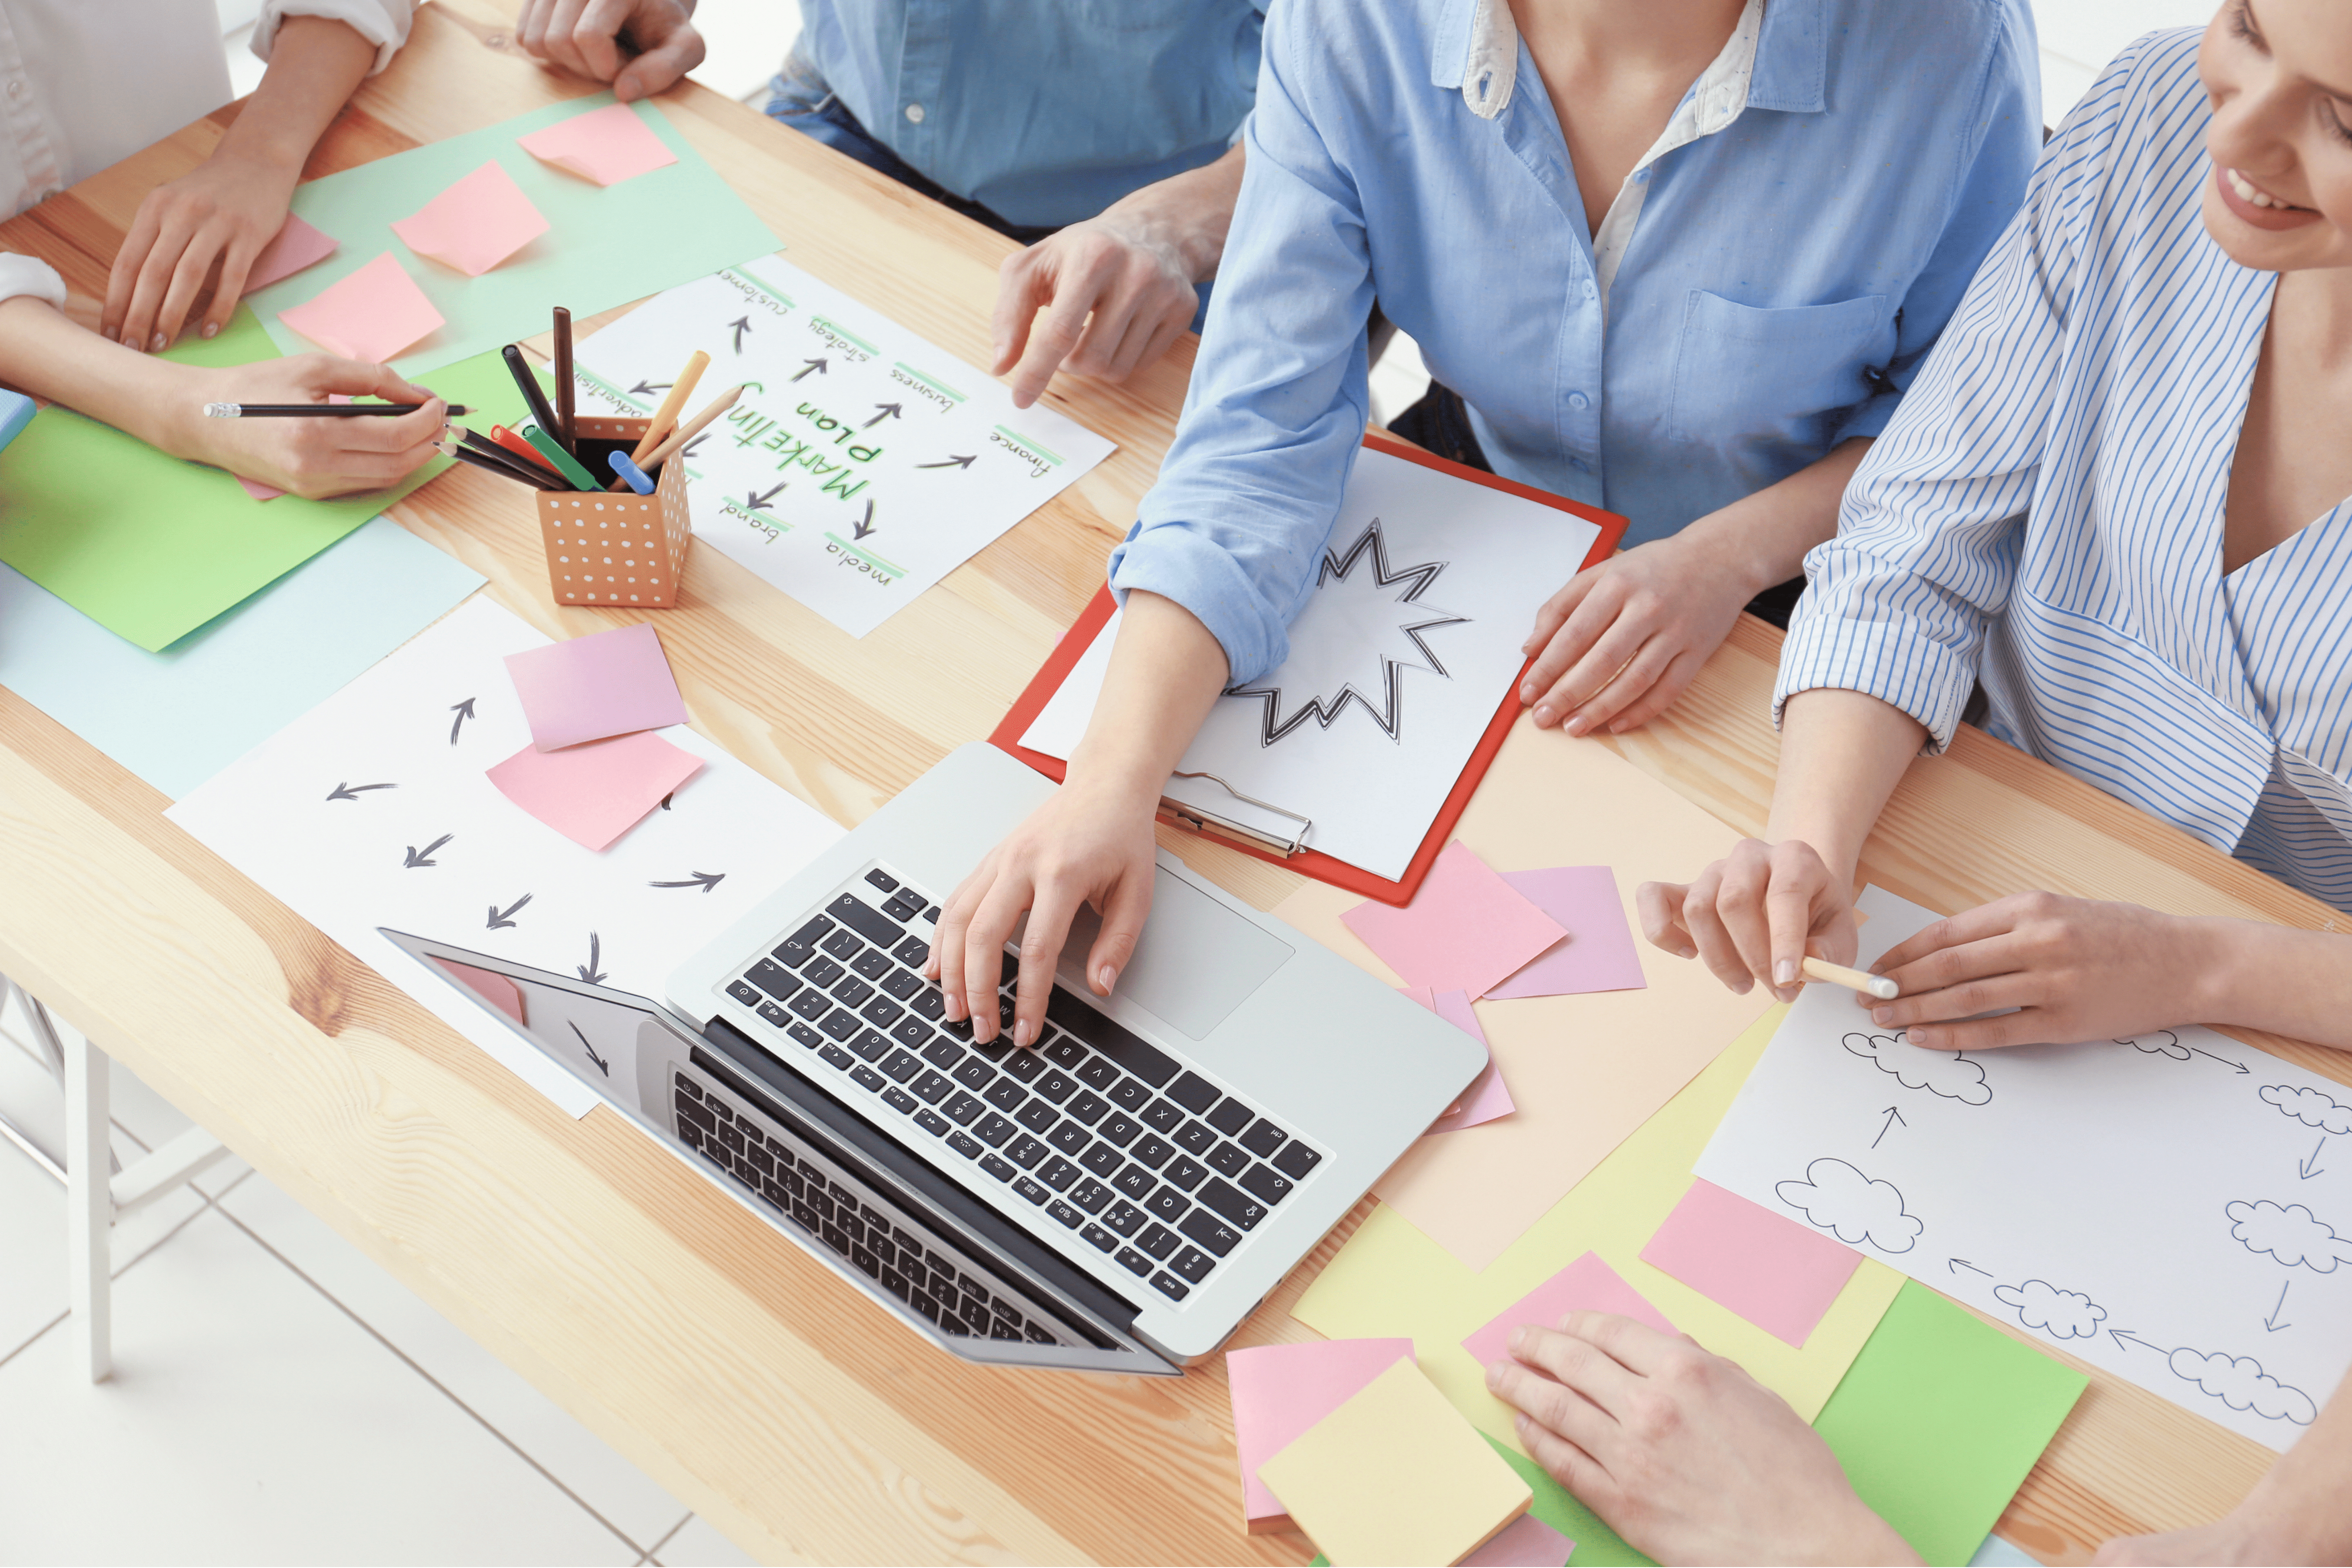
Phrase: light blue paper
[178,717]
[1997,1554]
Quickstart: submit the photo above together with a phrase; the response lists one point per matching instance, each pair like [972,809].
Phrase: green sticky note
[151,547]
[1941,1418]
[605,245]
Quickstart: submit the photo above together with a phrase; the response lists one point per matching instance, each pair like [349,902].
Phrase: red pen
[519,447]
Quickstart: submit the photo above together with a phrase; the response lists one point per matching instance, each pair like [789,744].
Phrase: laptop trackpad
[1198,960]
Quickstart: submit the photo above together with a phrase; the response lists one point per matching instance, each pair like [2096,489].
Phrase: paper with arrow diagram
[375,809]
[862,464]
[2175,1208]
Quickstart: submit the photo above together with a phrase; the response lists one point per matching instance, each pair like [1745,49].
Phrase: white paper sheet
[306,814]
[862,464]
[1397,663]
[2175,1208]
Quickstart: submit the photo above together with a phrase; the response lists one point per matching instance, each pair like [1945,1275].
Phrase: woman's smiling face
[2279,78]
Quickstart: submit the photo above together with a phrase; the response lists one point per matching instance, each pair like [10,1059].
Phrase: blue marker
[631,472]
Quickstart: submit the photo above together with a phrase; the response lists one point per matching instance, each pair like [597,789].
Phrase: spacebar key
[1129,1050]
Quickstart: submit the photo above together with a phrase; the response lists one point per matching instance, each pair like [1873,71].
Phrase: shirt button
[1579,402]
[914,114]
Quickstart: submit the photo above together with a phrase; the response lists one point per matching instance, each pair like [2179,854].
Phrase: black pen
[467,455]
[314,410]
[520,368]
[499,457]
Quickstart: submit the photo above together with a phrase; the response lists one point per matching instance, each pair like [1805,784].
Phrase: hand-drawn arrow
[593,972]
[889,411]
[2223,1060]
[754,501]
[647,388]
[2309,1168]
[602,1065]
[1893,1116]
[1956,1264]
[865,525]
[2272,1323]
[688,451]
[351,791]
[951,463]
[815,364]
[741,324]
[2127,1337]
[419,857]
[503,917]
[464,710]
[702,880]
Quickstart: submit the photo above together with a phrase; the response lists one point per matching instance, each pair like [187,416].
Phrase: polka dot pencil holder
[608,547]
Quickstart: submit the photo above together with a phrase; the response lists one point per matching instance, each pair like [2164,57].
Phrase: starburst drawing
[1352,642]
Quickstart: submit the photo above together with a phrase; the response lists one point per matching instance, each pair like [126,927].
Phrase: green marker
[567,465]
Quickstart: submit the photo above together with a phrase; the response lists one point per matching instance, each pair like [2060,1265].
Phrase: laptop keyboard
[1149,1162]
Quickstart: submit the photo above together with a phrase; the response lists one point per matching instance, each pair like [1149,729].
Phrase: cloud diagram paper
[862,464]
[2175,1208]
[374,810]
[1407,645]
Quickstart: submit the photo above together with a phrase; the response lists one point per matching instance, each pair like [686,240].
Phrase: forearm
[1842,754]
[2285,981]
[43,354]
[2297,1512]
[314,64]
[1166,671]
[1768,533]
[1189,212]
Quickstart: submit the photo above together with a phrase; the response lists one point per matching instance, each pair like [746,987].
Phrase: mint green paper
[151,547]
[605,245]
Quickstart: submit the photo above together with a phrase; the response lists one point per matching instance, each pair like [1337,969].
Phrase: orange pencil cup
[616,548]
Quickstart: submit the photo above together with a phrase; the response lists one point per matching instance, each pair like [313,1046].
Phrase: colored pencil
[658,428]
[689,430]
[314,410]
[533,471]
[489,466]
[520,447]
[567,429]
[565,463]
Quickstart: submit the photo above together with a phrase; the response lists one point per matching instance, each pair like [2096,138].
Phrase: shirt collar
[1781,65]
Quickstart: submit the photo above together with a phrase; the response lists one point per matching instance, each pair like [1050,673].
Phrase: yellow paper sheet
[1391,1280]
[1394,1475]
[1584,1070]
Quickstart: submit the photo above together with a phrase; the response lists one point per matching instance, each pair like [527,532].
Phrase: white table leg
[89,1204]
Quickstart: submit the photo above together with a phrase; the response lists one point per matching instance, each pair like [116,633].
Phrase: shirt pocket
[1746,373]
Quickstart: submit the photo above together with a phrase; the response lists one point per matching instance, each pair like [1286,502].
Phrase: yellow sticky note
[1395,1475]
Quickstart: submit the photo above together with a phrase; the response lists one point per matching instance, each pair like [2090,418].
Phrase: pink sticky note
[1587,1285]
[1779,1274]
[1464,929]
[1599,954]
[496,989]
[608,684]
[372,314]
[1526,1543]
[1487,1096]
[1280,1391]
[298,245]
[594,794]
[606,145]
[475,224]
[259,490]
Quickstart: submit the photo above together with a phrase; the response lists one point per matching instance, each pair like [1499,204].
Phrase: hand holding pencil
[313,458]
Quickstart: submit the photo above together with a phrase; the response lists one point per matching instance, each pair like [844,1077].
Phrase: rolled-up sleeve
[1278,401]
[383,23]
[1897,605]
[30,275]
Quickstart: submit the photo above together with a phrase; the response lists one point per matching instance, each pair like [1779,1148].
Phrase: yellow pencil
[1877,985]
[667,415]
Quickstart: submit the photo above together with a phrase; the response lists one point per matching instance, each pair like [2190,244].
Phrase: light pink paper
[297,246]
[612,683]
[259,490]
[606,145]
[496,989]
[1587,1285]
[594,794]
[373,314]
[1487,1096]
[1526,1543]
[1599,954]
[475,224]
[1465,931]
[1280,1391]
[1779,1274]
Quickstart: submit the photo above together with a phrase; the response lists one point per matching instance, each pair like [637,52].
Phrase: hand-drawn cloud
[1840,1199]
[2293,1234]
[2241,1384]
[2060,1314]
[1945,1073]
[2309,1107]
[2163,1043]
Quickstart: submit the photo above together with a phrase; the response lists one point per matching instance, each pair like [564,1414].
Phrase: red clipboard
[1314,862]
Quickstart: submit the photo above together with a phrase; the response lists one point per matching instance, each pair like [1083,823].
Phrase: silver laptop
[1117,1198]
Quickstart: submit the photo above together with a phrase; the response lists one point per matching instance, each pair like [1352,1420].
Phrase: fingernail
[1785,972]
[1105,976]
[1528,693]
[159,341]
[1024,1032]
[1495,1376]
[1919,1037]
[1881,1015]
[1746,984]
[1576,726]
[1518,1340]
[212,329]
[1545,715]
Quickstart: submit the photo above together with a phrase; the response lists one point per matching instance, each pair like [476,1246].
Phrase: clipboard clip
[1202,821]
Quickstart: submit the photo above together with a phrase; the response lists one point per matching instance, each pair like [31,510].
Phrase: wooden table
[726,1362]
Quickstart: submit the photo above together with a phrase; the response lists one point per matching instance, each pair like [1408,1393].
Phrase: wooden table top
[722,1360]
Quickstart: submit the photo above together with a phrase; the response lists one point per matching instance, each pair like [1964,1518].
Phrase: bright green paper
[606,245]
[151,547]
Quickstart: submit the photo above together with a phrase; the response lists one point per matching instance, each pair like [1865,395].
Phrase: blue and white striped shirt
[2045,512]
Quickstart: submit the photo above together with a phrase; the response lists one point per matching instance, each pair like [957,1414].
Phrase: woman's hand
[218,215]
[1618,645]
[2076,969]
[586,38]
[1680,1452]
[309,458]
[1756,915]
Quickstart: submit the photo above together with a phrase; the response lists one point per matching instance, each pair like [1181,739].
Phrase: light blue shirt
[2045,514]
[1043,112]
[1785,267]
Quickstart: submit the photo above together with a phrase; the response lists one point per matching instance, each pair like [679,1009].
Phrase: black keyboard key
[906,906]
[1297,1159]
[1263,1138]
[900,1066]
[914,952]
[843,945]
[1069,1138]
[1004,1094]
[931,1087]
[951,1324]
[1037,1116]
[1129,1050]
[870,1046]
[975,1074]
[851,992]
[1129,1095]
[772,1014]
[1260,1183]
[1024,1150]
[1153,1150]
[1088,1107]
[1193,1092]
[837,1057]
[1101,1159]
[1124,1217]
[794,950]
[822,972]
[914,1033]
[1090,1195]
[1195,1139]
[998,1168]
[902,983]
[929,1004]
[1168,1204]
[1026,1066]
[1193,1264]
[931,1122]
[961,1108]
[1032,1191]
[899,1100]
[932,914]
[1058,1173]
[1231,1203]
[774,979]
[812,1004]
[1061,1050]
[993,1129]
[1231,1117]
[1065,1214]
[882,1012]
[868,922]
[1056,1086]
[866,1076]
[1098,1238]
[873,964]
[882,880]
[1168,1285]
[894,1283]
[1120,1129]
[1224,1157]
[1159,1241]
[963,1143]
[1134,1262]
[941,1053]
[864,1261]
[1101,1072]
[1185,1172]
[1160,1116]
[1210,1232]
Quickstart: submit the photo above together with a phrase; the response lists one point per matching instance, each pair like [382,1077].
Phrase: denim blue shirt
[1045,111]
[1774,273]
